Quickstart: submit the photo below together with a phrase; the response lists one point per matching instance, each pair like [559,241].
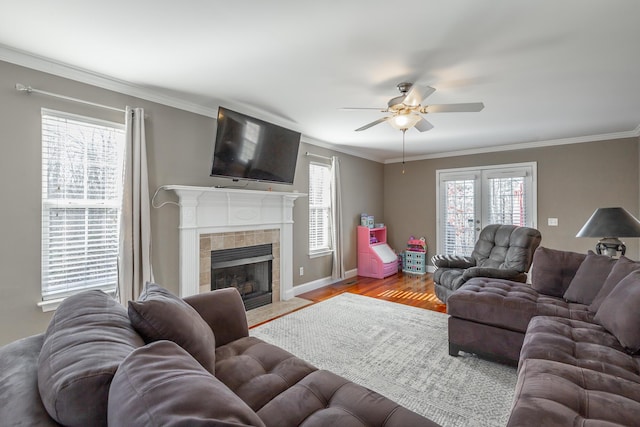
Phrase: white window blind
[319,207]
[82,173]
[459,215]
[507,201]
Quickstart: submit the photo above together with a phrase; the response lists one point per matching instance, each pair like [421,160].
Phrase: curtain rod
[28,89]
[308,154]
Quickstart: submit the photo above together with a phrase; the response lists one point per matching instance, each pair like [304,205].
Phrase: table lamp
[610,224]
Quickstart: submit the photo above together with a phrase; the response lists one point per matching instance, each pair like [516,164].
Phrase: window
[470,199]
[319,208]
[82,179]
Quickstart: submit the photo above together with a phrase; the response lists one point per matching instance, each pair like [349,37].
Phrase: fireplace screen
[247,269]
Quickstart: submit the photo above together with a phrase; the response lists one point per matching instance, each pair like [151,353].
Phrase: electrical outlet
[302,271]
[552,222]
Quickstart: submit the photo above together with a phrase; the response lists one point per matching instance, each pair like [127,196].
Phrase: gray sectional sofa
[574,334]
[168,361]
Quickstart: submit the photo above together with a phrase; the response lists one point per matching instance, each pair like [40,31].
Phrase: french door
[471,198]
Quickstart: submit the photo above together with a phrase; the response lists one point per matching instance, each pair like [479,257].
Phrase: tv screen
[249,148]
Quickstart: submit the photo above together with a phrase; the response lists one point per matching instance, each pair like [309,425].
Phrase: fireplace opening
[248,269]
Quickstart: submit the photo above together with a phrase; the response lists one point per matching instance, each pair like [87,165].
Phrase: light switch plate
[552,222]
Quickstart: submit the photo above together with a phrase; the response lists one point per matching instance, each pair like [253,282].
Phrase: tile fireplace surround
[225,218]
[239,239]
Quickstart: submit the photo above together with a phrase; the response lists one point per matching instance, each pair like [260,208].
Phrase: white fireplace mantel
[205,210]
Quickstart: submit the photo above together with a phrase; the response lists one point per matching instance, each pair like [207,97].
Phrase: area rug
[400,352]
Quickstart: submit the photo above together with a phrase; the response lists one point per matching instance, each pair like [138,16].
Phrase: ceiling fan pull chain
[404,131]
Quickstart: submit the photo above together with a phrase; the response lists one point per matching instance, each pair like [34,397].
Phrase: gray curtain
[134,259]
[337,270]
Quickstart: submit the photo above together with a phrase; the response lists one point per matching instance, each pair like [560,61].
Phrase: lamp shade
[610,222]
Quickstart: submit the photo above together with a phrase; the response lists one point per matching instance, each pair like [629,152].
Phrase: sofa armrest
[21,403]
[452,261]
[224,312]
[495,273]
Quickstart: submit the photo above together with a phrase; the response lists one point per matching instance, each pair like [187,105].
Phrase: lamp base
[610,246]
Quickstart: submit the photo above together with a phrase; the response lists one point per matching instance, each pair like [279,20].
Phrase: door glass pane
[459,217]
[507,201]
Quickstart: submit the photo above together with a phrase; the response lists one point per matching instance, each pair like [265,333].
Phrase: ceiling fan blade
[361,108]
[416,94]
[367,126]
[469,107]
[423,125]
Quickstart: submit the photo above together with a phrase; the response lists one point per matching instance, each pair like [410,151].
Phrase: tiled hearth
[239,239]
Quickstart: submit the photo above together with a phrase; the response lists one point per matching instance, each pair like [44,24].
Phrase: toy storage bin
[415,257]
[375,258]
[414,269]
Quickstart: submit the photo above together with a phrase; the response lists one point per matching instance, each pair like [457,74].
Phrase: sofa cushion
[224,312]
[506,246]
[620,270]
[619,312]
[257,371]
[553,270]
[451,278]
[507,304]
[160,315]
[589,278]
[324,398]
[87,338]
[582,344]
[550,393]
[161,385]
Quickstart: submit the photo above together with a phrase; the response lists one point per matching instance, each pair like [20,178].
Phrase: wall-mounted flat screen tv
[252,149]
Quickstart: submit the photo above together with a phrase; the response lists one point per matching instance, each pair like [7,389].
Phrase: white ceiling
[546,70]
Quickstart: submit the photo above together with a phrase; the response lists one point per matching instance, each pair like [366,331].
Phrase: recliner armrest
[452,261]
[224,312]
[495,273]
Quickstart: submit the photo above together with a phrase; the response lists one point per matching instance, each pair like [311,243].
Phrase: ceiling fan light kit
[404,121]
[407,107]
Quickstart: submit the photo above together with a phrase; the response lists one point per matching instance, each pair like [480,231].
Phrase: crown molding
[81,75]
[340,149]
[59,69]
[522,146]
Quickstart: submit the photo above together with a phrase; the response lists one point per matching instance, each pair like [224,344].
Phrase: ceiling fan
[406,109]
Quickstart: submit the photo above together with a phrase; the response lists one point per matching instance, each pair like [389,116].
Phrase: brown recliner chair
[501,252]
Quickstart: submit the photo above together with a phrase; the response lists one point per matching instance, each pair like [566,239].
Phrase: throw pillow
[85,342]
[552,270]
[160,315]
[161,385]
[589,278]
[619,312]
[620,270]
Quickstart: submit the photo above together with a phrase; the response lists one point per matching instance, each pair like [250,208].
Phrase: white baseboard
[351,273]
[317,284]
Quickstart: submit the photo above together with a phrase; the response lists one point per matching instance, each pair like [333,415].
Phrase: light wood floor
[402,288]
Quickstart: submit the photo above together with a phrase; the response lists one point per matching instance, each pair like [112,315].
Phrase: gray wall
[573,180]
[362,183]
[179,148]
